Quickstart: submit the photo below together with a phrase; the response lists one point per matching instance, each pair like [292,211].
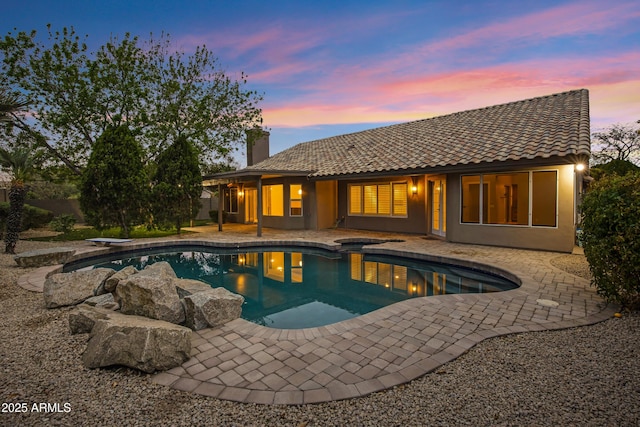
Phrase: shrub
[619,167]
[63,223]
[177,184]
[114,185]
[611,237]
[32,217]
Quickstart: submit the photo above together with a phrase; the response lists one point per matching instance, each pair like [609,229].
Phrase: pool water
[302,288]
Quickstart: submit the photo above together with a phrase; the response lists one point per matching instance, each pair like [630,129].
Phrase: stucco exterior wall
[326,209]
[287,222]
[560,238]
[415,222]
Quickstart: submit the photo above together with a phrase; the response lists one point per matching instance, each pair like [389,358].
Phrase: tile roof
[543,127]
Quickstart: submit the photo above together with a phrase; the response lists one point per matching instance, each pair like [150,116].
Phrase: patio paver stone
[244,362]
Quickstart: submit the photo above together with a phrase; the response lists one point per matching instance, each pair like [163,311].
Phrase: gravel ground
[587,376]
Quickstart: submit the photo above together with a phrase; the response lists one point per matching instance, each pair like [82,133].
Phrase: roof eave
[250,175]
[502,165]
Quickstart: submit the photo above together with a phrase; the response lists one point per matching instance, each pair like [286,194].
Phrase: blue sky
[334,67]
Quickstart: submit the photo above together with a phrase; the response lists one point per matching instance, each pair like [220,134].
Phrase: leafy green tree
[60,94]
[114,185]
[177,184]
[611,237]
[194,98]
[618,167]
[159,93]
[218,167]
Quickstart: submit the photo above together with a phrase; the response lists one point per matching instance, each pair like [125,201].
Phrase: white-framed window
[295,200]
[378,199]
[273,200]
[524,198]
[231,200]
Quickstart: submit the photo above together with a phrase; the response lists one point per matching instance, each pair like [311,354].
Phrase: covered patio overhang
[246,176]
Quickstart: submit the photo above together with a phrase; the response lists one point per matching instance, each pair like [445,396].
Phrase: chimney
[257,146]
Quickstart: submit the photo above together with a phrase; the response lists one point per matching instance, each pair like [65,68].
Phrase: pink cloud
[275,53]
[272,53]
[238,42]
[615,103]
[412,84]
[299,114]
[614,83]
[566,20]
[275,73]
[533,73]
[272,41]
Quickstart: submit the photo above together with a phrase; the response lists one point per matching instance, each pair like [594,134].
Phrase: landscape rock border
[140,319]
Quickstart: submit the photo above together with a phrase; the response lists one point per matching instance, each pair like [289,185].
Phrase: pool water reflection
[293,289]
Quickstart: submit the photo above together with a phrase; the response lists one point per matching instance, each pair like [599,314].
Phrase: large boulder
[44,257]
[159,269]
[150,296]
[111,283]
[213,307]
[137,342]
[190,286]
[83,318]
[63,289]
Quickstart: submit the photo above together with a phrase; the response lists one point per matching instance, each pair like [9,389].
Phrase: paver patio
[245,362]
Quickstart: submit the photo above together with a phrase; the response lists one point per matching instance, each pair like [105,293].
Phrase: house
[506,175]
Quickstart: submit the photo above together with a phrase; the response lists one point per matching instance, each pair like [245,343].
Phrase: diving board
[107,241]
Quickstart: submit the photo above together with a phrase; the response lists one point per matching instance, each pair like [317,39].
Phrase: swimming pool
[294,287]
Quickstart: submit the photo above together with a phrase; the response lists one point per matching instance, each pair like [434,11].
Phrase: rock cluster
[64,289]
[212,307]
[44,257]
[138,318]
[154,297]
[137,342]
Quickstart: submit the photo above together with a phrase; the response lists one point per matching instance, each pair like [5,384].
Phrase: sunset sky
[334,67]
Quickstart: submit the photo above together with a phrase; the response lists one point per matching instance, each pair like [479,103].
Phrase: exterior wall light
[414,189]
[580,167]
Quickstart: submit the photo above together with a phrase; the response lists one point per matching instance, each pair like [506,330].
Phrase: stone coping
[245,362]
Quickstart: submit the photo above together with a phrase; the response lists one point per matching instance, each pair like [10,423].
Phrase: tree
[60,98]
[611,237]
[160,94]
[177,183]
[196,99]
[218,167]
[19,162]
[619,142]
[10,105]
[618,167]
[114,185]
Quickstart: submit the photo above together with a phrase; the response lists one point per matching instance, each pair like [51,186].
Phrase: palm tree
[20,163]
[9,105]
